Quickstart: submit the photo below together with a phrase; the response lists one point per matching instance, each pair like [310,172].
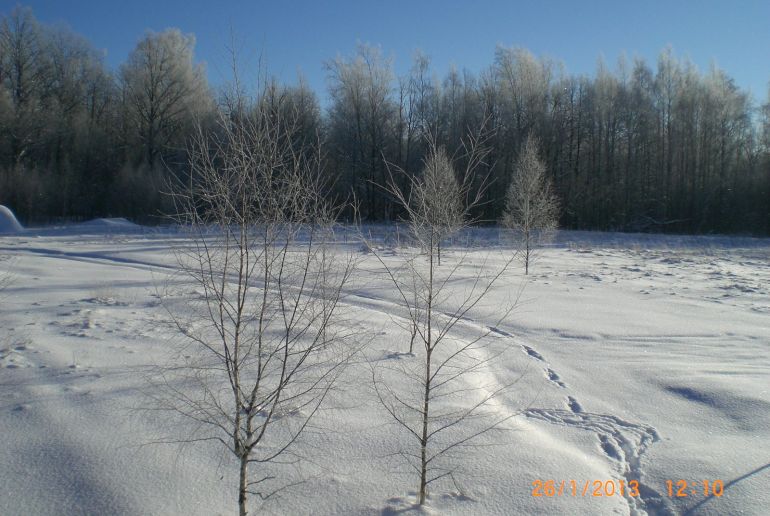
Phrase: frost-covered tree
[263,349]
[23,72]
[163,91]
[360,123]
[436,200]
[531,207]
[765,117]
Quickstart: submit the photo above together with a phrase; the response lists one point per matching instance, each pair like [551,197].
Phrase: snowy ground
[643,357]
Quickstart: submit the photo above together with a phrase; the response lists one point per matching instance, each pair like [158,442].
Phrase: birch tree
[436,199]
[265,346]
[531,208]
[437,394]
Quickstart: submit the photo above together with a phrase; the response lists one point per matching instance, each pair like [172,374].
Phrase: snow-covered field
[643,357]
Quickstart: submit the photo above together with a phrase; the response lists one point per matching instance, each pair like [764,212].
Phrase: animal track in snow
[534,354]
[554,377]
[573,405]
[498,331]
[608,446]
[623,442]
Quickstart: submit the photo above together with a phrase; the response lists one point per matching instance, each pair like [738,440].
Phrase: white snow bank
[8,222]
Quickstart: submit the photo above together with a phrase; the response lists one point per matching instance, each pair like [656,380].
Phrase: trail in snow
[621,441]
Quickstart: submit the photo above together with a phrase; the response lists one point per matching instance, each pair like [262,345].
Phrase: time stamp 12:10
[600,488]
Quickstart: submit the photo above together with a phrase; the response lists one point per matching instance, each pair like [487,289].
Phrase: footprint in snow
[609,448]
[534,354]
[573,405]
[554,377]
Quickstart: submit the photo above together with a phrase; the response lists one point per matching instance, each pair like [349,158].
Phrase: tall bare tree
[436,395]
[23,70]
[267,349]
[531,208]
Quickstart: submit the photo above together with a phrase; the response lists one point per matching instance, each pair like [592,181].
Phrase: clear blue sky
[299,35]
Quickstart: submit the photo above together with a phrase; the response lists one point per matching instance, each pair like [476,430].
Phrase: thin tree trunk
[242,495]
[424,439]
[526,255]
[426,400]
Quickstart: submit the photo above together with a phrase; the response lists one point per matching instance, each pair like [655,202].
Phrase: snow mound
[113,223]
[8,222]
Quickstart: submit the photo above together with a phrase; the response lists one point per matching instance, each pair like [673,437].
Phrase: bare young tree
[531,207]
[437,205]
[442,395]
[264,349]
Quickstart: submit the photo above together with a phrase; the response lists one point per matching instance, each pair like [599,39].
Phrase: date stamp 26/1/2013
[605,488]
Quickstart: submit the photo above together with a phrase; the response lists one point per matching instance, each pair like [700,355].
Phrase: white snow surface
[8,222]
[641,357]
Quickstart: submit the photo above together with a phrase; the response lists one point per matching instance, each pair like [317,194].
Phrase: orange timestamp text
[607,488]
[594,488]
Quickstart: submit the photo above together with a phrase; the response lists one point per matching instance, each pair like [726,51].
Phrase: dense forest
[633,147]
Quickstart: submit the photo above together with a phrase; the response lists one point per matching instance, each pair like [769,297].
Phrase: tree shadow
[693,510]
[399,505]
[403,505]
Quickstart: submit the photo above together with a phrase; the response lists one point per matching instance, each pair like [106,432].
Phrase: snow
[8,222]
[112,223]
[641,357]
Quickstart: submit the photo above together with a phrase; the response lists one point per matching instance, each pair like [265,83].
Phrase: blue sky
[300,35]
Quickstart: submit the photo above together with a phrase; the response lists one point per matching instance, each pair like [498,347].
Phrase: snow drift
[113,223]
[8,222]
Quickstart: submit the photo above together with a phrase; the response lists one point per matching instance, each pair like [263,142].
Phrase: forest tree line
[635,147]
